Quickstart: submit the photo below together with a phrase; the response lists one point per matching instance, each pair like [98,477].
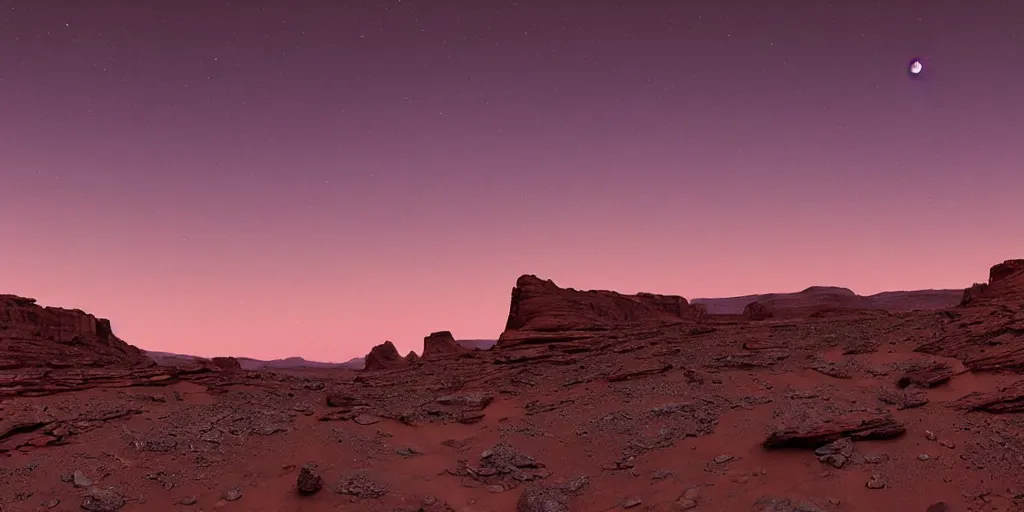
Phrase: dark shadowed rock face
[440,344]
[541,311]
[1005,284]
[756,311]
[384,356]
[228,364]
[36,336]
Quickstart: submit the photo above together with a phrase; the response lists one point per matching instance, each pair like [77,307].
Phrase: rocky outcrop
[439,344]
[1005,285]
[36,336]
[228,364]
[987,331]
[756,311]
[541,312]
[383,357]
[1009,399]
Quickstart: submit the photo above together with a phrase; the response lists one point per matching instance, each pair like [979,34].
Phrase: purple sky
[250,178]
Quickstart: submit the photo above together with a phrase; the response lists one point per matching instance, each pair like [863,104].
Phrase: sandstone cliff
[987,331]
[440,344]
[540,312]
[36,336]
[1005,284]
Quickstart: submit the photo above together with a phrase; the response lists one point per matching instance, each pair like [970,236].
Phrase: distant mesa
[824,299]
[541,312]
[1005,284]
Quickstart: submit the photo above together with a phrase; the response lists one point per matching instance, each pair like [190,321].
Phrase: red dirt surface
[591,401]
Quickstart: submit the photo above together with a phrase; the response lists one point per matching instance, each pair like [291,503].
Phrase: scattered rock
[103,500]
[836,453]
[542,499]
[876,482]
[309,480]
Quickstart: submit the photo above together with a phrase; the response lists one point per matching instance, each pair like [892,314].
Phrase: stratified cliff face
[36,336]
[987,331]
[541,311]
[439,344]
[1005,285]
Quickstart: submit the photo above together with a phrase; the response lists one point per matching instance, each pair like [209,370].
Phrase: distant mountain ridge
[248,363]
[288,363]
[837,296]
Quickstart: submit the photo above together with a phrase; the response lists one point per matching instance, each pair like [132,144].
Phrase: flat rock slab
[1007,400]
[856,426]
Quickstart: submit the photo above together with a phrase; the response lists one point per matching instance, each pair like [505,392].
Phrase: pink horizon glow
[310,182]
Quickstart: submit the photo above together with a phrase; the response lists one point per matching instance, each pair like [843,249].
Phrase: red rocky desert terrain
[590,401]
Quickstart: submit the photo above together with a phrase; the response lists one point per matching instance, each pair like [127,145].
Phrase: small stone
[722,459]
[929,435]
[366,419]
[51,503]
[876,482]
[923,457]
[309,481]
[742,479]
[188,500]
[495,489]
[948,443]
[685,504]
[103,500]
[938,507]
[78,479]
[233,494]
[632,502]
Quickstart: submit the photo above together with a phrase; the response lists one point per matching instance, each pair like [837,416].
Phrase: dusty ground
[661,419]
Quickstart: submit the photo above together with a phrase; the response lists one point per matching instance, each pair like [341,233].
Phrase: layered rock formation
[48,350]
[541,312]
[987,331]
[1005,285]
[383,357]
[441,343]
[36,336]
